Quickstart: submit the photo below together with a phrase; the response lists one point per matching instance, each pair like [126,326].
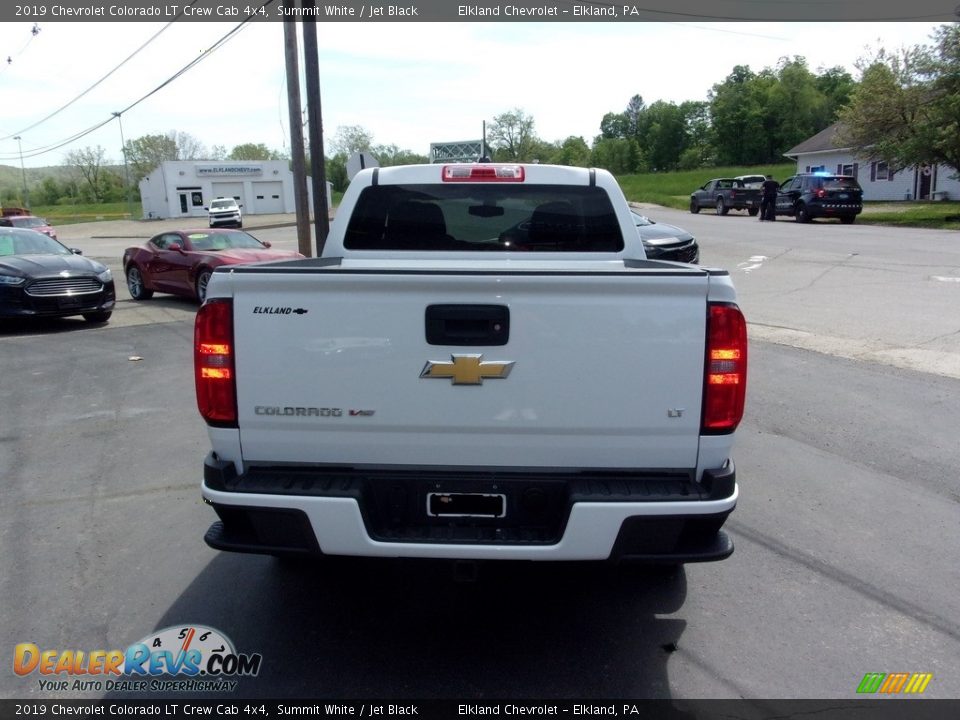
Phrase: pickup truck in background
[482,366]
[726,194]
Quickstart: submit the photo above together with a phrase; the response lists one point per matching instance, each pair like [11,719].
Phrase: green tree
[631,123]
[699,146]
[906,109]
[350,139]
[112,188]
[512,136]
[836,86]
[48,192]
[253,151]
[86,165]
[336,171]
[737,118]
[188,147]
[145,153]
[544,152]
[665,137]
[635,119]
[795,107]
[613,125]
[573,151]
[388,155]
[618,155]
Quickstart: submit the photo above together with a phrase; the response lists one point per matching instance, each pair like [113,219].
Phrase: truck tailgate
[606,365]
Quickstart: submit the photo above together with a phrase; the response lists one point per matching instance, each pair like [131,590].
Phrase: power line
[203,55]
[34,31]
[35,152]
[122,63]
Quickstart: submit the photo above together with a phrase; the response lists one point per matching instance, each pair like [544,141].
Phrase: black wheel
[802,216]
[240,224]
[203,279]
[98,317]
[722,209]
[753,212]
[694,206]
[138,291]
[847,219]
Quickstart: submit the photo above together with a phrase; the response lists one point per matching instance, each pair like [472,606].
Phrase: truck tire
[694,206]
[722,209]
[847,219]
[753,211]
[801,215]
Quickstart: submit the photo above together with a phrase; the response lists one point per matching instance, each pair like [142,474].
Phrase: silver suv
[225,211]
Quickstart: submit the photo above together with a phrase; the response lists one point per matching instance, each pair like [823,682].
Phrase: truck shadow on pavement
[370,628]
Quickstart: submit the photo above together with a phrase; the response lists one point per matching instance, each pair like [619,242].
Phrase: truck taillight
[213,363]
[482,172]
[725,371]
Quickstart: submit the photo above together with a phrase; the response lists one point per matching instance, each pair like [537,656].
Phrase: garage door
[229,190]
[267,197]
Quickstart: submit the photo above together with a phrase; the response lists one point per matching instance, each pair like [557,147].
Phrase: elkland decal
[895,683]
[180,658]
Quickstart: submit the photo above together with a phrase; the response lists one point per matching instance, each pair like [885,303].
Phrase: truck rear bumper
[605,517]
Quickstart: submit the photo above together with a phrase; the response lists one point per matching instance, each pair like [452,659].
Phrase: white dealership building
[184,188]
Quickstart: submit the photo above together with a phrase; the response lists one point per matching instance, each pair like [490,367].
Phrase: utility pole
[126,166]
[296,136]
[321,210]
[23,174]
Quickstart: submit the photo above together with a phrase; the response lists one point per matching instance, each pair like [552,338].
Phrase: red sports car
[181,261]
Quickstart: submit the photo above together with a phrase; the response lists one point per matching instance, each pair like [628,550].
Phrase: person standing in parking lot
[768,201]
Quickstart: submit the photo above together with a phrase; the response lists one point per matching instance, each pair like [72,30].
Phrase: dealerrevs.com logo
[187,658]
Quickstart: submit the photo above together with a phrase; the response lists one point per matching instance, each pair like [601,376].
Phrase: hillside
[10,175]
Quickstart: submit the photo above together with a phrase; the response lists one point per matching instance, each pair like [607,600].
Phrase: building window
[883,172]
[846,169]
[197,199]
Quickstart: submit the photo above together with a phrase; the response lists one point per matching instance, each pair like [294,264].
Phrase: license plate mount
[466,505]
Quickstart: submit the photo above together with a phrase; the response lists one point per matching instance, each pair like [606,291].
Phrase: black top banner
[451,11]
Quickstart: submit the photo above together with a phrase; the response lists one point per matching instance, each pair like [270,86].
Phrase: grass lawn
[940,215]
[69,214]
[672,189]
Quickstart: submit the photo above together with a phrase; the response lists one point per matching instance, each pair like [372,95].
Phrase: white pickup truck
[482,365]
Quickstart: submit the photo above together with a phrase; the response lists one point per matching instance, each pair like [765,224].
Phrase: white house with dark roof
[823,152]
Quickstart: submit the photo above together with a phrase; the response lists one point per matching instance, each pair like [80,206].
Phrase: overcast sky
[408,84]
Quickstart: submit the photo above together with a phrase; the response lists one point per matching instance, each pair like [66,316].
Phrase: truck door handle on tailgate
[467,325]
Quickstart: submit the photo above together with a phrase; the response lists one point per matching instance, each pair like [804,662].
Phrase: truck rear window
[491,217]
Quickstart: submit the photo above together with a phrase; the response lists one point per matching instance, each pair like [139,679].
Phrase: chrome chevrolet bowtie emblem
[466,369]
